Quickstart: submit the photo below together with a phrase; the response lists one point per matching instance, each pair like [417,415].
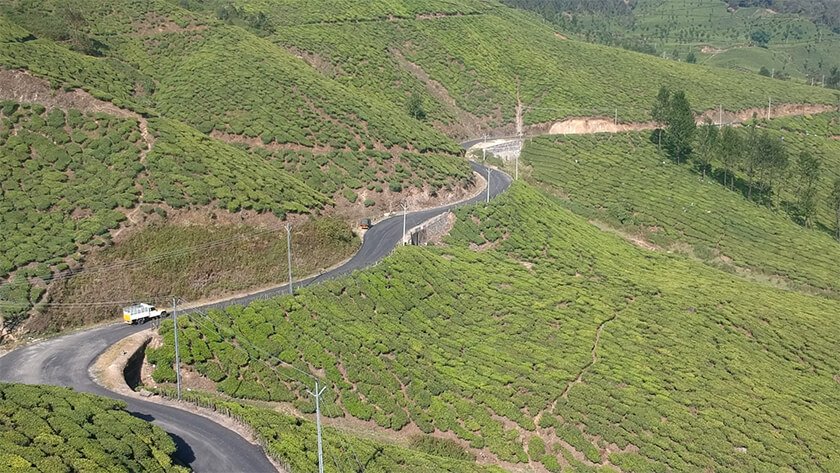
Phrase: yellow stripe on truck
[126,317]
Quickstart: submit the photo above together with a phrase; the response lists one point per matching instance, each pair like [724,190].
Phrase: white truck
[141,313]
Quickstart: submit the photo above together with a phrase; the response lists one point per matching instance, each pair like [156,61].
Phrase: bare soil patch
[638,240]
[581,126]
[590,125]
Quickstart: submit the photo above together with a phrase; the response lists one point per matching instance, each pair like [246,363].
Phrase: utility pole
[177,350]
[768,107]
[516,159]
[720,116]
[488,185]
[317,396]
[616,117]
[516,164]
[289,255]
[483,150]
[405,213]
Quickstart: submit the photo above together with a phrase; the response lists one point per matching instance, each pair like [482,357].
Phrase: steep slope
[534,337]
[473,66]
[55,429]
[624,181]
[178,119]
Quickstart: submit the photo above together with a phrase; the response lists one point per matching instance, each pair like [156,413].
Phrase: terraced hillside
[55,429]
[469,65]
[533,337]
[624,182]
[126,121]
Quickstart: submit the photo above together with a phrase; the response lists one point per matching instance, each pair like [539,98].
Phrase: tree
[752,158]
[659,113]
[764,71]
[760,38]
[835,205]
[775,160]
[766,159]
[706,144]
[681,127]
[730,149]
[809,167]
[833,78]
[415,106]
[691,58]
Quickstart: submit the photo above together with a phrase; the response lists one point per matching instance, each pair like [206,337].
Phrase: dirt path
[578,380]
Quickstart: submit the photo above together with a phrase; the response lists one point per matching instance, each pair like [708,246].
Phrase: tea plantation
[289,440]
[233,123]
[795,40]
[532,329]
[45,428]
[625,181]
[554,77]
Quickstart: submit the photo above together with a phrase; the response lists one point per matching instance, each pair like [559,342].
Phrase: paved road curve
[202,444]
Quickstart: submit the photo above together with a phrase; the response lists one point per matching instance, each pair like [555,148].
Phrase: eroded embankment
[589,125]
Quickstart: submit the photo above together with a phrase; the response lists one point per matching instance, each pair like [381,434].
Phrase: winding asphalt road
[203,445]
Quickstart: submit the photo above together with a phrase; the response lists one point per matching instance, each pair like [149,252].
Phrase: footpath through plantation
[533,336]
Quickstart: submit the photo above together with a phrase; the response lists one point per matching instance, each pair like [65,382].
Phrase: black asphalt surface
[203,445]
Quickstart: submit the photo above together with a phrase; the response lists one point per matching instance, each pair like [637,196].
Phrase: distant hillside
[470,67]
[790,38]
[225,113]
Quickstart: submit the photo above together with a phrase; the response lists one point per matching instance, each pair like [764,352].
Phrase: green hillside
[532,329]
[55,429]
[625,182]
[122,118]
[468,78]
[794,39]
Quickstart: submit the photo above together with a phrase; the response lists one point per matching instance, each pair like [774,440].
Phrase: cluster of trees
[760,156]
[825,12]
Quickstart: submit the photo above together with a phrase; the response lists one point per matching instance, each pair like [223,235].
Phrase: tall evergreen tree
[706,144]
[730,151]
[834,201]
[659,113]
[810,168]
[681,127]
